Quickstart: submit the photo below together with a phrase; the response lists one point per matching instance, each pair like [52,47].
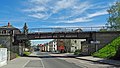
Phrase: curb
[100,62]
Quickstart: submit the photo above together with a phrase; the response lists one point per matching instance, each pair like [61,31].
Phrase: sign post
[95,42]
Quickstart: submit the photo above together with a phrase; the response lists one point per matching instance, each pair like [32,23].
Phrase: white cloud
[62,26]
[79,20]
[63,4]
[87,18]
[43,5]
[38,15]
[35,9]
[77,9]
[41,41]
[39,1]
[64,11]
[99,5]
[99,13]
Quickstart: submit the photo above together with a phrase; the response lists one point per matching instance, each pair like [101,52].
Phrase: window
[75,41]
[75,47]
[4,31]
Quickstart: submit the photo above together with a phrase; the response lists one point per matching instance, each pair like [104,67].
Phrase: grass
[26,53]
[109,50]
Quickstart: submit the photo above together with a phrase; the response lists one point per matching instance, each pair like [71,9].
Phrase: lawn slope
[109,50]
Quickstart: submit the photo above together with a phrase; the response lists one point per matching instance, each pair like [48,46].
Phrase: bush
[77,52]
[13,55]
[109,50]
[26,53]
[17,55]
[1,46]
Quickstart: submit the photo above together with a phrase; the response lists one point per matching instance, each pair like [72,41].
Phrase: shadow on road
[53,56]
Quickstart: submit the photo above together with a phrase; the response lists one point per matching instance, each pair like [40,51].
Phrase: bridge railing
[67,29]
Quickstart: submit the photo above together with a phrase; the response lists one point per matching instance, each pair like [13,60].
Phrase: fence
[3,56]
[66,29]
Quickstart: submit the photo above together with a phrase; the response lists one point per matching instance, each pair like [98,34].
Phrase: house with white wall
[76,44]
[55,45]
[52,45]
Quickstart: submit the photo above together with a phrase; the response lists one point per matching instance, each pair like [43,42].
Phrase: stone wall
[98,41]
[6,42]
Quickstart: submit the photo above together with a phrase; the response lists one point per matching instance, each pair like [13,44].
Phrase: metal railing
[67,29]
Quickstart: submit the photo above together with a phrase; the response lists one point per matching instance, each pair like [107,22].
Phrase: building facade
[76,44]
[7,38]
[55,45]
[52,45]
[61,45]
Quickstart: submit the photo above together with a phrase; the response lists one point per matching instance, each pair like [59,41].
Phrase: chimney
[8,24]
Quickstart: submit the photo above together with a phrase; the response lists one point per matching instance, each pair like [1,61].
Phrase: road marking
[42,64]
[26,63]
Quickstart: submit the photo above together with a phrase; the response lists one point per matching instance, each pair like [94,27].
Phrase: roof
[9,27]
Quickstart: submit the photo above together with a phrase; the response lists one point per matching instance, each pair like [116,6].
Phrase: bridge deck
[62,35]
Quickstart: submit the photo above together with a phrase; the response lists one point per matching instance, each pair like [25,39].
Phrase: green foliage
[103,30]
[77,52]
[109,50]
[114,16]
[27,43]
[13,55]
[67,44]
[26,53]
[1,46]
[17,55]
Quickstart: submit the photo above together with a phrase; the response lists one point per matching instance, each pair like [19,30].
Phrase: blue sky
[54,13]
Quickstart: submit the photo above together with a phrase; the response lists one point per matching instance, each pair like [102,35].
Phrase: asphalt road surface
[54,62]
[48,61]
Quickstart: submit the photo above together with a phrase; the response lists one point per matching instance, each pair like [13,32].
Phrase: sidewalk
[90,58]
[100,60]
[20,62]
[16,63]
[63,54]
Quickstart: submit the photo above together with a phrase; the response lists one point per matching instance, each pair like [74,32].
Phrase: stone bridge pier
[97,40]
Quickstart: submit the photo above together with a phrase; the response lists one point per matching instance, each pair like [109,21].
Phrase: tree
[25,31]
[27,43]
[114,16]
[103,29]
[67,44]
